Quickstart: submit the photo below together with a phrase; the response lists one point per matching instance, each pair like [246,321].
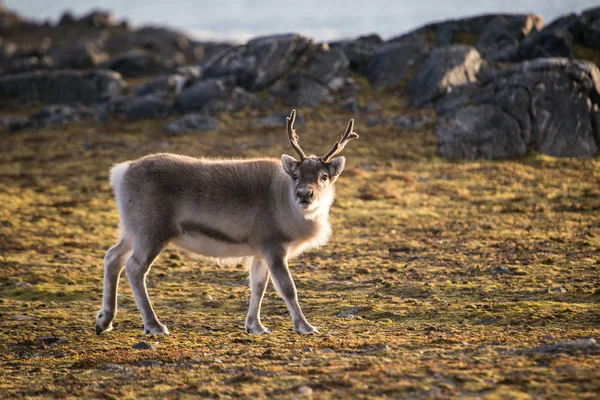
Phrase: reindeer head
[313,177]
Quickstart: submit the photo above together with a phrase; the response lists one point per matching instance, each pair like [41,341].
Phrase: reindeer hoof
[306,329]
[156,329]
[257,329]
[103,322]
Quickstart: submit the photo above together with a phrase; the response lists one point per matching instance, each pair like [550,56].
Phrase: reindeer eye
[295,177]
[324,177]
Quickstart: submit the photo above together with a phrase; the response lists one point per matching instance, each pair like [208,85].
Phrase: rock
[569,346]
[499,39]
[304,390]
[371,106]
[351,105]
[328,66]
[479,132]
[63,86]
[98,19]
[32,63]
[445,68]
[168,48]
[14,123]
[48,115]
[113,105]
[259,63]
[559,289]
[204,95]
[143,346]
[66,19]
[349,312]
[114,368]
[359,52]
[543,104]
[240,99]
[277,120]
[501,270]
[591,35]
[51,341]
[21,318]
[82,56]
[301,91]
[148,363]
[7,49]
[191,122]
[159,86]
[393,63]
[415,121]
[148,107]
[189,71]
[546,43]
[135,63]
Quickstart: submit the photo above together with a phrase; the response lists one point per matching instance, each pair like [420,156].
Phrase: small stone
[372,122]
[350,105]
[371,106]
[148,363]
[559,289]
[114,368]
[363,271]
[21,317]
[349,312]
[326,350]
[143,346]
[308,349]
[304,390]
[501,270]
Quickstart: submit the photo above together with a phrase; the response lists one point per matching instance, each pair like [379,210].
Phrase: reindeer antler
[341,143]
[292,135]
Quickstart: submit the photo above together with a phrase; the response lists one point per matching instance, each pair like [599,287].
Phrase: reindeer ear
[337,165]
[289,164]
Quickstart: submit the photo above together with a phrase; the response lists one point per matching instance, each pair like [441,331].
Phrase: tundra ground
[442,279]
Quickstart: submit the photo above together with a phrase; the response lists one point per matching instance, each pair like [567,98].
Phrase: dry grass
[417,245]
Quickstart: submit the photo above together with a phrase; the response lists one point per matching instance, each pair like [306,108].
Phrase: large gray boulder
[314,81]
[445,68]
[191,122]
[479,132]
[148,107]
[210,95]
[393,63]
[135,63]
[55,87]
[259,63]
[500,37]
[544,104]
[359,51]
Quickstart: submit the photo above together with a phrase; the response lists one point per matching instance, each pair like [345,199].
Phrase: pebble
[143,346]
[304,390]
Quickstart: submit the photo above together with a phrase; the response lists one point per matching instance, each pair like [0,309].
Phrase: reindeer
[265,210]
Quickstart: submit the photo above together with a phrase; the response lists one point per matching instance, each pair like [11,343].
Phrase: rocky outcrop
[544,104]
[259,63]
[136,63]
[53,87]
[148,107]
[445,68]
[191,122]
[315,80]
[393,63]
[559,37]
[60,114]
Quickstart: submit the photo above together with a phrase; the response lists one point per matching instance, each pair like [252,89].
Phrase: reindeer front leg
[286,288]
[259,278]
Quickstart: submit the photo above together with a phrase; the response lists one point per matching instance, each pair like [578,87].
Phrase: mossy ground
[417,245]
